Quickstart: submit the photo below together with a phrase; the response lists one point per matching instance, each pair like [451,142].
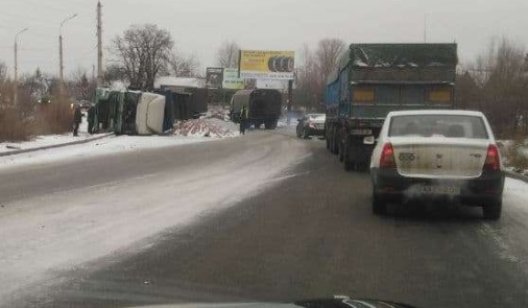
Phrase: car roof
[435,112]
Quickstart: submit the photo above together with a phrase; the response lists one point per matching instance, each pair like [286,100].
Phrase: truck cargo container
[264,106]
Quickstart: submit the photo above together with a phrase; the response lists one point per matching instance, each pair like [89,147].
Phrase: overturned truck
[136,113]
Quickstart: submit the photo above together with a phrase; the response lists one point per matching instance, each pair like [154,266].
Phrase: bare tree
[327,54]
[184,66]
[3,72]
[144,51]
[315,69]
[227,55]
[499,88]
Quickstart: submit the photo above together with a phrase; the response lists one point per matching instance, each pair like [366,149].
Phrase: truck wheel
[335,145]
[306,133]
[341,153]
[379,205]
[349,165]
[492,210]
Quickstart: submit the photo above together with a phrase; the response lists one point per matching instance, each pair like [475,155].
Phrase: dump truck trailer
[373,79]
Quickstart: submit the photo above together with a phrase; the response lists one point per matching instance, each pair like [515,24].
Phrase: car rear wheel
[492,210]
[379,205]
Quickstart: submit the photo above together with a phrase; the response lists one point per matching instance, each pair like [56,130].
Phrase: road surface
[266,217]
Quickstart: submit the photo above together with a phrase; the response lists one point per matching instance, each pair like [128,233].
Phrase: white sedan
[448,155]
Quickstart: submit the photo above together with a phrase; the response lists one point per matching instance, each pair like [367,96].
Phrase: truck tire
[492,210]
[270,124]
[306,134]
[379,205]
[335,146]
[348,164]
[341,152]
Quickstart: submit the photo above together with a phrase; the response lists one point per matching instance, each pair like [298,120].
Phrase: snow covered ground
[60,231]
[109,145]
[212,127]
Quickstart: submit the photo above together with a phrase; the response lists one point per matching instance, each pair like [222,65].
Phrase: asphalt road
[310,234]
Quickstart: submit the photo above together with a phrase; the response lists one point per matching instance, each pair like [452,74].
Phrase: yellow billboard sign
[259,64]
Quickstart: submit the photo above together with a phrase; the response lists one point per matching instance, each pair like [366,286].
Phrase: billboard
[267,64]
[214,77]
[231,80]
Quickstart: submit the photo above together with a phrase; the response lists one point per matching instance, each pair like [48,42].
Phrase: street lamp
[61,64]
[15,79]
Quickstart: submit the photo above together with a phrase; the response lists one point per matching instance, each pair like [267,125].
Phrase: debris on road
[214,128]
[215,123]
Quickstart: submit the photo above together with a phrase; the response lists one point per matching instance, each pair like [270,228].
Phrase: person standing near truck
[91,119]
[243,120]
[77,119]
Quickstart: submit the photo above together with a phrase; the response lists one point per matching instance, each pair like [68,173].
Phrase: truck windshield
[449,126]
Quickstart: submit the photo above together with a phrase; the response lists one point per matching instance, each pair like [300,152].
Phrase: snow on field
[105,146]
[60,231]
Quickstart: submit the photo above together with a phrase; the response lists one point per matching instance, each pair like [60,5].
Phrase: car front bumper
[395,187]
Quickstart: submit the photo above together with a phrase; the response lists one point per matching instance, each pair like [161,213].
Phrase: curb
[517,176]
[53,146]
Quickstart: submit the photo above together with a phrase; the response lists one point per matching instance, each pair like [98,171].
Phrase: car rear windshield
[449,126]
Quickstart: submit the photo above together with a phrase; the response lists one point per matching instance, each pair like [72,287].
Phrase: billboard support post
[290,101]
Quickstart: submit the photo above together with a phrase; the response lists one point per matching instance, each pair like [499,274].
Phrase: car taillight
[387,157]
[492,159]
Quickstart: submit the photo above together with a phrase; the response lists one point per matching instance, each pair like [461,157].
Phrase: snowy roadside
[49,140]
[212,127]
[106,146]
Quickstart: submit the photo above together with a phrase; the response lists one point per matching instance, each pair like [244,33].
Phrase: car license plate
[361,132]
[440,190]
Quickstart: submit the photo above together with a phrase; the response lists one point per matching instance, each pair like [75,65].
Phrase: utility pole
[15,77]
[99,45]
[425,28]
[290,101]
[61,56]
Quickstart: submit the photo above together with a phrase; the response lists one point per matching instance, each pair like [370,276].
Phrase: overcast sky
[200,26]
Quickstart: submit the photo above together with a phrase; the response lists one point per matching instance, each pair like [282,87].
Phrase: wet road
[309,234]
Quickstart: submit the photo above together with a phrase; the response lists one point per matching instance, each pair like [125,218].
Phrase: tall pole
[290,101]
[425,28]
[61,63]
[15,77]
[99,45]
[61,54]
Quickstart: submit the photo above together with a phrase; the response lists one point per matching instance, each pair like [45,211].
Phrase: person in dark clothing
[77,119]
[243,120]
[91,119]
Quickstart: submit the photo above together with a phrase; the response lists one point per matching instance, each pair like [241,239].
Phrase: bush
[19,125]
[12,126]
[516,154]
